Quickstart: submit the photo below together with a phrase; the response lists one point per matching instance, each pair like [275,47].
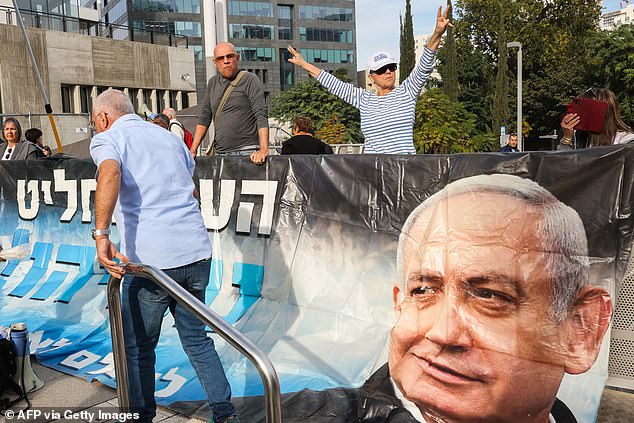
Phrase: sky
[378,23]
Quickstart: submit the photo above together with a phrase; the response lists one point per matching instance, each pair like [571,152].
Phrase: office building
[623,16]
[323,31]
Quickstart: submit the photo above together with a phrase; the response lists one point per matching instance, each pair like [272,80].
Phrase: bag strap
[228,90]
[223,100]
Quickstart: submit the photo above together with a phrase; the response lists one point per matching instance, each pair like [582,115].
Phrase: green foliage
[332,131]
[500,111]
[445,127]
[311,99]
[611,65]
[407,43]
[450,70]
[553,35]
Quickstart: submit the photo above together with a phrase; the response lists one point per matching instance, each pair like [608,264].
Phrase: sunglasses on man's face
[228,57]
[380,71]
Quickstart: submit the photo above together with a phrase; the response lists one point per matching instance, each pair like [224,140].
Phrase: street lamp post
[520,139]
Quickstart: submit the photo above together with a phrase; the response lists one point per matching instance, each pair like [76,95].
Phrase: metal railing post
[201,311]
[118,350]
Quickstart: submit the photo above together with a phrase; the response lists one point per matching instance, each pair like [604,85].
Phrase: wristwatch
[99,232]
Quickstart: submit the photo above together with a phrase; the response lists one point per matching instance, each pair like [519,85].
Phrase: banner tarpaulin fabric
[305,265]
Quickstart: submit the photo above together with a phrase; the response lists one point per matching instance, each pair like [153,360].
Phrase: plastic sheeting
[305,263]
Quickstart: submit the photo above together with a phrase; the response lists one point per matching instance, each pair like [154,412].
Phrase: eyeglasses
[229,57]
[591,92]
[380,71]
[9,151]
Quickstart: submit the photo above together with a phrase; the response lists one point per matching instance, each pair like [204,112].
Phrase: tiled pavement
[61,390]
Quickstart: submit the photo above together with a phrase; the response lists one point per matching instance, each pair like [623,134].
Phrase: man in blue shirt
[159,224]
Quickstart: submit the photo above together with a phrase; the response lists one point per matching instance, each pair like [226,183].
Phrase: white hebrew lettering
[36,343]
[176,382]
[108,369]
[267,190]
[80,359]
[46,192]
[87,186]
[70,187]
[227,195]
[23,189]
[245,212]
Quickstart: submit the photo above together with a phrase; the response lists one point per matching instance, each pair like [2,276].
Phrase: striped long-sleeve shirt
[387,121]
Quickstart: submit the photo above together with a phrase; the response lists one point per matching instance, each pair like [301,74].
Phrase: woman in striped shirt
[387,117]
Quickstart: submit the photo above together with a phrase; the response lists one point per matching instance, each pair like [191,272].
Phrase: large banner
[495,284]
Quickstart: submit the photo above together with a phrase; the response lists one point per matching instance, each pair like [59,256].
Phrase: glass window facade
[285,22]
[250,8]
[256,54]
[68,105]
[177,6]
[118,11]
[325,34]
[287,70]
[248,31]
[327,56]
[190,29]
[324,13]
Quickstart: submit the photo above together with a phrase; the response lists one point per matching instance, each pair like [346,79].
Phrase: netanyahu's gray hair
[563,237]
[114,102]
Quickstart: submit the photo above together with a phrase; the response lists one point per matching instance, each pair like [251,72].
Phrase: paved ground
[63,391]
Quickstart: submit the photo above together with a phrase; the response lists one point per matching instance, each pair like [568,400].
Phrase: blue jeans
[143,307]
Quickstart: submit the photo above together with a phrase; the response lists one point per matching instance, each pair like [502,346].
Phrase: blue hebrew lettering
[83,256]
[20,236]
[41,255]
[249,277]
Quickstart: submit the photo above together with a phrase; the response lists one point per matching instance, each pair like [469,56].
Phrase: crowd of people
[150,201]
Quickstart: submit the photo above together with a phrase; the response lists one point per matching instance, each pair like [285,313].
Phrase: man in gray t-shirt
[242,125]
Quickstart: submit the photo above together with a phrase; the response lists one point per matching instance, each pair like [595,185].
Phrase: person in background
[242,126]
[12,148]
[387,117]
[161,120]
[615,130]
[302,141]
[511,147]
[174,125]
[34,135]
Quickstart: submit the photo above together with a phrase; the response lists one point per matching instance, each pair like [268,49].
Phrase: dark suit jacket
[374,402]
[24,150]
[305,144]
[508,149]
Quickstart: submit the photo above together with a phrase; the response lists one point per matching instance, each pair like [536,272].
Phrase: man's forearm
[201,131]
[108,184]
[263,133]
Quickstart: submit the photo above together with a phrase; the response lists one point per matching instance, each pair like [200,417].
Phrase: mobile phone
[591,114]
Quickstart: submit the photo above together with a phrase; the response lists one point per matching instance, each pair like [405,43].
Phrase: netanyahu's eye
[423,290]
[492,295]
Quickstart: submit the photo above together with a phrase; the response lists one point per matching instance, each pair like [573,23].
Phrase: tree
[500,109]
[311,99]
[610,65]
[332,131]
[553,33]
[408,47]
[444,127]
[450,70]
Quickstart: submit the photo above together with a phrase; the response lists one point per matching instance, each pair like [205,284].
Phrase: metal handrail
[226,331]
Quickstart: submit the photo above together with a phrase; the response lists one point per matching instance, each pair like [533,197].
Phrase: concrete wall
[85,61]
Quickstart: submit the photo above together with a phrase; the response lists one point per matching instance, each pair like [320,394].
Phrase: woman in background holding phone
[614,130]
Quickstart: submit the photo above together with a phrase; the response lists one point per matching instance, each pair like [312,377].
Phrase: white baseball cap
[380,59]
